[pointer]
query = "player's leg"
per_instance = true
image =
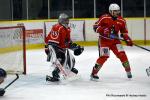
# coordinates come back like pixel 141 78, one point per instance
pixel 70 62
pixel 60 56
pixel 104 55
pixel 120 53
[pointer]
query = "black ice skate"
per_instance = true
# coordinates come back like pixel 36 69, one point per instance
pixel 74 70
pixel 129 75
pixel 51 79
pixel 94 77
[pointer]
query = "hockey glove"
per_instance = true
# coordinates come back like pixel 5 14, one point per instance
pixel 73 46
pixel 95 27
pixel 127 39
pixel 113 36
pixel 2 91
pixel 78 50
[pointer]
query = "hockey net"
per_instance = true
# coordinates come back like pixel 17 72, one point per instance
pixel 12 49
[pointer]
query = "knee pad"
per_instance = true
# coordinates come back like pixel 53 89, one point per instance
pixel 104 51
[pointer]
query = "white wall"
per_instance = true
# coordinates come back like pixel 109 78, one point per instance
pixel 135 27
pixel 148 29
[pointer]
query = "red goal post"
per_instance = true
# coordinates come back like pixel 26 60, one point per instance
pixel 13 49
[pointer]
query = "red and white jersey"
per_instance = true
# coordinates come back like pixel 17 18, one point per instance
pixel 105 23
pixel 60 35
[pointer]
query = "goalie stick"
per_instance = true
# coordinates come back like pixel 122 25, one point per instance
pixel 125 40
pixel 2 90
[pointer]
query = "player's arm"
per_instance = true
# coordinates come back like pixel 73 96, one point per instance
pixel 125 36
pixel 98 26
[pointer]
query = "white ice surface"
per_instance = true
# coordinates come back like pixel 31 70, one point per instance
pixel 113 80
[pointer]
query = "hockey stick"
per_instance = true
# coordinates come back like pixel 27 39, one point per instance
pixel 141 47
pixel 2 90
pixel 17 77
pixel 60 67
pixel 125 40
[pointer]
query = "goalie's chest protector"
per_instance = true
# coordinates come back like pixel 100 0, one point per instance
pixel 60 35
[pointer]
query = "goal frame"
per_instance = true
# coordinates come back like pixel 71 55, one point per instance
pixel 24 44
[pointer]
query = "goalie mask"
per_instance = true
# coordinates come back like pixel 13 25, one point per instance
pixel 114 10
pixel 63 20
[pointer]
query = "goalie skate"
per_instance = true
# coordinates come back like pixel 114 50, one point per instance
pixel 51 79
pixel 148 71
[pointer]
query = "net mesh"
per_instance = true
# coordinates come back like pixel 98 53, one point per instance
pixel 12 49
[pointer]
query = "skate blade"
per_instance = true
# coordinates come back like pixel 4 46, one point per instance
pixel 93 79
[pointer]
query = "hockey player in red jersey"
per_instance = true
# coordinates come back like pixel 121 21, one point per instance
pixel 110 26
pixel 59 40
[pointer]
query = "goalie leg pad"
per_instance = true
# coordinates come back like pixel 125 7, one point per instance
pixel 55 73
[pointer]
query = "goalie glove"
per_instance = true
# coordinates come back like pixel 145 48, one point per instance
pixel 76 48
pixel 78 51
pixel 127 39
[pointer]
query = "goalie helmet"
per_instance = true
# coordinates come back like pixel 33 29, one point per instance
pixel 63 19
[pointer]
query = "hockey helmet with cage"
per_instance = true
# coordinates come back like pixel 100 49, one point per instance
pixel 114 10
pixel 63 19
pixel 114 6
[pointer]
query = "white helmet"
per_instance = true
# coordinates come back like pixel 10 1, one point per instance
pixel 114 6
